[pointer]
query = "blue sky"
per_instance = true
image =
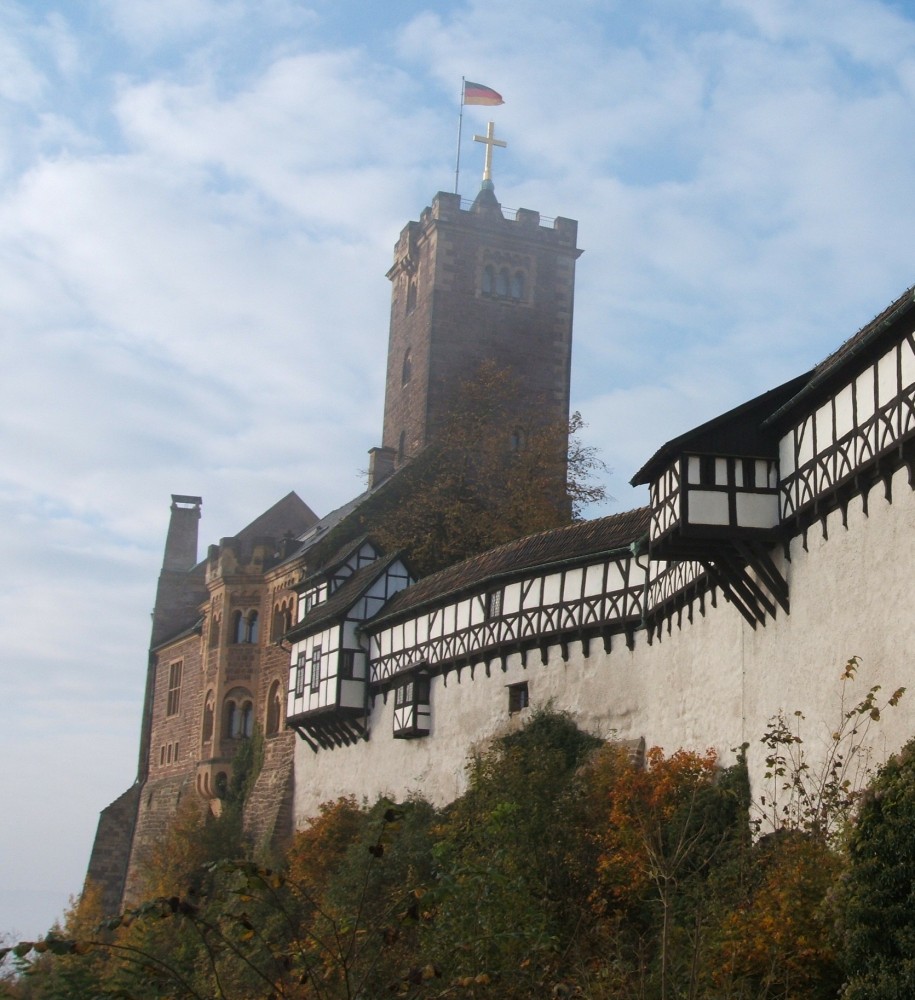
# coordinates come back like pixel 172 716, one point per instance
pixel 198 204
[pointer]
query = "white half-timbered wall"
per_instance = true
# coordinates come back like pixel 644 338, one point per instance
pixel 665 501
pixel 501 616
pixel 869 416
pixel 328 668
pixel 327 585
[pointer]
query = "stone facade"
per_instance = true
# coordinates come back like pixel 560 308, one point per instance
pixel 471 286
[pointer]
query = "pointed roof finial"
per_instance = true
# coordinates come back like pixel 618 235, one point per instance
pixel 489 140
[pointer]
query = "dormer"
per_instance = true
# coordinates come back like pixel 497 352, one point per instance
pixel 714 495
pixel 716 483
pixel 327 700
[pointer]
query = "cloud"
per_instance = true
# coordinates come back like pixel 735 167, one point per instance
pixel 198 202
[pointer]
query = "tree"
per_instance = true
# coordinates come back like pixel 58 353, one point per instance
pixel 877 900
pixel 661 833
pixel 505 910
pixel 490 476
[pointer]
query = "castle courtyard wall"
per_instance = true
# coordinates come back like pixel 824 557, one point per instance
pixel 713 681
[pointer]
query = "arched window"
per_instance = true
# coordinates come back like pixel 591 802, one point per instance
pixel 239 715
pixel 246 726
pixel 214 631
pixel 208 713
pixel 401 445
pixel 274 709
pixel 518 286
pixel 516 439
pixel 502 283
pixel 239 626
pixel 282 621
pixel 252 627
pixel 411 296
pixel 489 280
pixel 407 369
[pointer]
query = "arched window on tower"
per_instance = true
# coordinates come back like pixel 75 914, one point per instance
pixel 239 626
pixel 502 283
pixel 274 709
pixel 518 286
pixel 406 372
pixel 214 631
pixel 488 284
pixel 252 627
pixel 209 708
pixel 401 446
pixel 411 296
pixel 282 621
pixel 247 720
pixel 238 715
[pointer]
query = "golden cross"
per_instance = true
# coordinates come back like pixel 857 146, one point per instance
pixel 490 141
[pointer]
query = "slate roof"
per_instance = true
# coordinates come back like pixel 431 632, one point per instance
pixel 737 432
pixel 341 600
pixel 561 545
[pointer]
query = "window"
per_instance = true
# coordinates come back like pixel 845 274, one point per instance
pixel 518 286
pixel 208 713
pixel 494 604
pixel 411 296
pixel 246 720
pixel 706 470
pixel 347 663
pixel 252 627
pixel 238 627
pixel 406 371
pixel 239 715
pixel 174 688
pixel 489 280
pixel 274 710
pixel 518 697
pixel 502 283
pixel 300 674
pixel 316 668
pixel 412 709
pixel 282 622
pixel 401 446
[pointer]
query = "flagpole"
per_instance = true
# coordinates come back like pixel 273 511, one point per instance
pixel 457 160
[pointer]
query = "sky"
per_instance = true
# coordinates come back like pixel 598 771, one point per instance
pixel 198 204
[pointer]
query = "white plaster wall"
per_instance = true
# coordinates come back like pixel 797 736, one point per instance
pixel 714 682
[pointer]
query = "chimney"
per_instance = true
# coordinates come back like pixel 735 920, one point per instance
pixel 181 541
pixel 381 465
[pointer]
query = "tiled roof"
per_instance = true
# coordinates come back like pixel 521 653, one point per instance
pixel 576 541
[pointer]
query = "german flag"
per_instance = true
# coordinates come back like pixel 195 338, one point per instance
pixel 476 93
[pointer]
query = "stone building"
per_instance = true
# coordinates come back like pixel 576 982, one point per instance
pixel 470 283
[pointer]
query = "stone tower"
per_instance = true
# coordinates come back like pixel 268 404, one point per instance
pixel 472 285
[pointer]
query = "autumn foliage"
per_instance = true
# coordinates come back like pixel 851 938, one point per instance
pixel 571 867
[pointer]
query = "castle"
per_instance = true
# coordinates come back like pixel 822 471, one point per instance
pixel 779 540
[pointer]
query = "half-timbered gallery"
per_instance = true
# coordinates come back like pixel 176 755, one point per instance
pixel 778 541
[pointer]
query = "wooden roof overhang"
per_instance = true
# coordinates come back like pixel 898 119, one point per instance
pixel 330 726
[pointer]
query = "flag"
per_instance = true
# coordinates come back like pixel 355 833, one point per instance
pixel 476 93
